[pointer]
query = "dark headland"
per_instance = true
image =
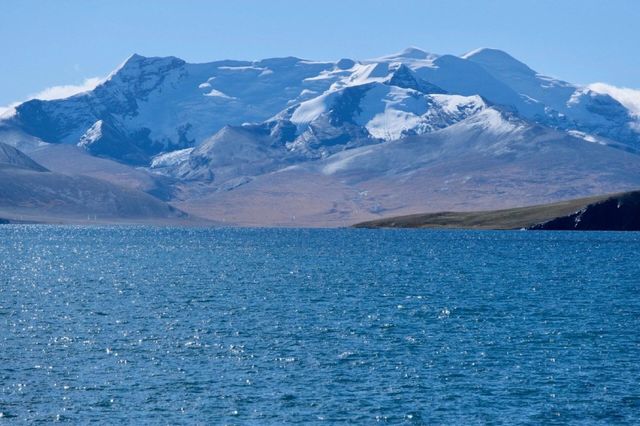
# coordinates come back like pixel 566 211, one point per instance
pixel 612 212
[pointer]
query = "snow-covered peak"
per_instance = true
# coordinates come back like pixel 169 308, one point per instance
pixel 556 96
pixel 387 112
pixel 136 62
pixel 134 58
pixel 497 59
pixel 280 62
pixel 414 53
pixel 143 73
pixel 411 53
pixel 394 73
pixel 403 76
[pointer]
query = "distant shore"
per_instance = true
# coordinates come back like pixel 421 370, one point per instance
pixel 188 221
pixel 610 212
pixel 613 212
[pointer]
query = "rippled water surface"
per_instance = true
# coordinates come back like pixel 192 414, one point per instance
pixel 150 325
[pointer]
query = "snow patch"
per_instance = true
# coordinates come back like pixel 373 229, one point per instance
pixel 367 73
pixel 585 136
pixel 243 68
pixel 93 134
pixel 410 54
pixel 391 124
pixel 309 110
pixel 218 94
pixel 577 95
pixel 170 159
pixel 453 104
pixel 493 121
pixel 324 75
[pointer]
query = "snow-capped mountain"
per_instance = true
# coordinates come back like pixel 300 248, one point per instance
pixel 344 119
pixel 149 106
pixel 567 106
pixel 153 105
pixel 491 159
pixel 404 132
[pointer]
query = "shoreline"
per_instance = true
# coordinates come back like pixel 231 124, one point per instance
pixel 611 212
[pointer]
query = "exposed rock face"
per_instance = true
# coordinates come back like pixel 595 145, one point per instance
pixel 619 213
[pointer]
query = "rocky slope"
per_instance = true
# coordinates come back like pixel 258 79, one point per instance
pixel 29 192
pixel 616 213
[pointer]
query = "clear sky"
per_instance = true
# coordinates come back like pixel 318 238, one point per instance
pixel 49 43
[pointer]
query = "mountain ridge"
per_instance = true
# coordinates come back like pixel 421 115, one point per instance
pixel 400 133
pixel 132 96
pixel 30 192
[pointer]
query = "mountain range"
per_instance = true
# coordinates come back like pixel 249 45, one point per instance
pixel 294 142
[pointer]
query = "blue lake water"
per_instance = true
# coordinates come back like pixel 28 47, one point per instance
pixel 258 326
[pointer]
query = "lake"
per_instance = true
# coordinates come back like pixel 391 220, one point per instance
pixel 272 326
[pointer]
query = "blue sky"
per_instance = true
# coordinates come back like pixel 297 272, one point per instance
pixel 65 42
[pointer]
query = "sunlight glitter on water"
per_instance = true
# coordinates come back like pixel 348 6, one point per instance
pixel 175 325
